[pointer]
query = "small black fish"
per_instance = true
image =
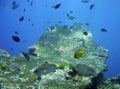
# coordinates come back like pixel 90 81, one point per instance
pixel 16 38
pixel 28 0
pixel 21 18
pixel 103 30
pixel 31 3
pixel 32 24
pixel 16 32
pixel 70 17
pixel 87 23
pixel 24 9
pixel 59 21
pixel 11 48
pixel 56 6
pixel 24 41
pixel 15 5
pixel 32 51
pixel 14 2
pixel 29 19
pixel 85 1
pixel 71 12
pixel 91 6
pixel 48 22
pixel 45 5
pixel 26 55
pixel 85 33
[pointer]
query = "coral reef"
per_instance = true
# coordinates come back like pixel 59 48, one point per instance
pixel 63 58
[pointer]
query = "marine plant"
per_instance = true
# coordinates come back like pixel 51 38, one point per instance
pixel 71 66
pixel 62 66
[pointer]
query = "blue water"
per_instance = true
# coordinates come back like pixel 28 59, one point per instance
pixel 104 14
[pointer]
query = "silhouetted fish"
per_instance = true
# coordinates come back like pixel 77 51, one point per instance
pixel 16 32
pixel 85 33
pixel 70 17
pixel 91 6
pixel 11 48
pixel 56 6
pixel 24 9
pixel 87 23
pixel 21 18
pixel 31 3
pixel 103 30
pixel 29 19
pixel 59 21
pixel 26 55
pixel 85 1
pixel 16 38
pixel 32 24
pixel 28 0
pixel 15 5
pixel 70 12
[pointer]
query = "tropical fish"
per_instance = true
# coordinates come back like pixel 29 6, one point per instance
pixel 56 6
pixel 32 50
pixel 21 18
pixel 85 33
pixel 84 70
pixel 15 38
pixel 85 1
pixel 16 32
pixel 15 5
pixel 26 55
pixel 79 53
pixel 91 6
pixel 3 54
pixel 11 67
pixel 104 30
pixel 45 69
pixel 70 17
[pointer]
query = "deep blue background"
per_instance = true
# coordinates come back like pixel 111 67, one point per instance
pixel 105 14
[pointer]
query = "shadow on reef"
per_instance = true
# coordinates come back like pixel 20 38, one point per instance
pixel 99 82
pixel 96 81
pixel 63 58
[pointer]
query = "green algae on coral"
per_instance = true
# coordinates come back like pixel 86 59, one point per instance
pixel 62 66
pixel 3 64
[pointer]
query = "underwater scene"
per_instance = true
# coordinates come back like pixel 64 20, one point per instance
pixel 59 44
